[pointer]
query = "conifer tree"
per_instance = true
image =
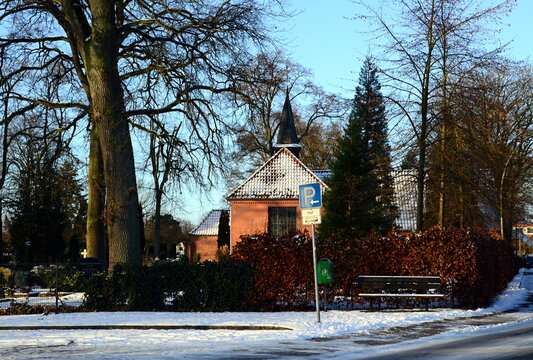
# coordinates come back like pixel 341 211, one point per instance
pixel 360 198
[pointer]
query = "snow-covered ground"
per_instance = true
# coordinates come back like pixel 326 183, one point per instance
pixel 127 343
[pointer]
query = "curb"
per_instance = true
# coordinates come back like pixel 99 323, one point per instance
pixel 144 327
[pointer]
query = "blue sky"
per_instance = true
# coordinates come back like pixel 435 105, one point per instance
pixel 324 39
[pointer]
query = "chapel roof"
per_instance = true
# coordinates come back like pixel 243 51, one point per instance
pixel 209 225
pixel 405 197
pixel 278 178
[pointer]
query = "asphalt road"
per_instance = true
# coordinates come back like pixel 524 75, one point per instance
pixel 511 343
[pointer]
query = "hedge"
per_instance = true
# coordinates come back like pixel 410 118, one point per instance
pixel 473 265
pixel 178 286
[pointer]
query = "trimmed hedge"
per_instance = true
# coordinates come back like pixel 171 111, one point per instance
pixel 180 286
pixel 473 264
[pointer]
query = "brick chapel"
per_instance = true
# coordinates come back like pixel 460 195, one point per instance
pixel 268 200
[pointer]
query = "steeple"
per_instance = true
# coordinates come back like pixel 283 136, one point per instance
pixel 287 131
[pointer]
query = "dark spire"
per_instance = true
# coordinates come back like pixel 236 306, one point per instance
pixel 287 131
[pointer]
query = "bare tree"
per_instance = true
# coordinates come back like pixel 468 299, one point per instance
pixel 9 114
pixel 417 55
pixel 111 56
pixel 497 129
pixel 264 83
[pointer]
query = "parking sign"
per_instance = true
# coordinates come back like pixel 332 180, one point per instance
pixel 310 196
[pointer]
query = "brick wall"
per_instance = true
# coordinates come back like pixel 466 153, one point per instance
pixel 251 216
pixel 204 245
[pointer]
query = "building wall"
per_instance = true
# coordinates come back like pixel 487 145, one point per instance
pixel 204 245
pixel 249 217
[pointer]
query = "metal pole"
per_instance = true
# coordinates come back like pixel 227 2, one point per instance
pixel 325 299
pixel 57 289
pixel 317 302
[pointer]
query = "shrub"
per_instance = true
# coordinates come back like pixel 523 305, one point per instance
pixel 215 286
pixel 2 285
pixel 208 286
pixel 283 266
pixel 473 264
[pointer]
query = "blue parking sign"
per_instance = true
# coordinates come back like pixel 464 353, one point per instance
pixel 310 196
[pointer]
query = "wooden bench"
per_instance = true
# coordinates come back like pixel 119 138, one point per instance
pixel 399 287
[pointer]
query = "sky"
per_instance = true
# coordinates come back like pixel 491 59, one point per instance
pixel 328 41
pixel 323 38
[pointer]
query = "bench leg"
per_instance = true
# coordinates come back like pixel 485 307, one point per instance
pixel 427 304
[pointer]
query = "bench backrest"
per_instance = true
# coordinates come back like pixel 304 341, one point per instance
pixel 399 282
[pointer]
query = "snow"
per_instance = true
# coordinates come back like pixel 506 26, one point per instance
pixel 43 297
pixel 278 178
pixel 209 225
pixel 303 325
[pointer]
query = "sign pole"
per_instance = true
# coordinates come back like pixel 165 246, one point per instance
pixel 317 303
pixel 310 196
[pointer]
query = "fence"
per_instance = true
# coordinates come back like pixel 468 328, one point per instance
pixel 43 286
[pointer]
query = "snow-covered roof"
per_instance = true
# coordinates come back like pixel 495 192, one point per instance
pixel 322 174
pixel 405 196
pixel 278 178
pixel 209 225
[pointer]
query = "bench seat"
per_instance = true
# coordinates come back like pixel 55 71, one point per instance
pixel 399 287
pixel 403 295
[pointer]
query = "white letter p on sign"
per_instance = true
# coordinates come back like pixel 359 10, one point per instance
pixel 309 193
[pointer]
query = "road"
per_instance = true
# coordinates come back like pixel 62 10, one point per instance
pixel 511 343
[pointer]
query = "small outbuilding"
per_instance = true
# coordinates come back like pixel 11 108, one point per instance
pixel 204 239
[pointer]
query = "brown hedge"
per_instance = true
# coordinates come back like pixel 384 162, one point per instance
pixel 474 265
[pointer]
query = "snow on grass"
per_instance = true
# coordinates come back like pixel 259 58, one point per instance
pixel 303 325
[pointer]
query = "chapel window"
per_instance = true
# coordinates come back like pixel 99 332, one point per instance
pixel 281 220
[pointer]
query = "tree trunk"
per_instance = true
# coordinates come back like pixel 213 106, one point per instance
pixel 501 204
pixel 420 181
pixel 444 142
pixel 107 110
pixel 424 110
pixel 157 223
pixel 95 237
pixel 1 235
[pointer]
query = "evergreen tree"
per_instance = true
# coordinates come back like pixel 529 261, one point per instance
pixel 223 229
pixel 360 198
pixel 47 207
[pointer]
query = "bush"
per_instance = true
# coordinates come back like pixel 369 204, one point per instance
pixel 3 284
pixel 473 265
pixel 215 286
pixel 103 292
pixel 65 277
pixel 208 286
pixel 283 265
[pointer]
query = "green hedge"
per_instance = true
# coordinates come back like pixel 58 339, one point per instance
pixel 179 286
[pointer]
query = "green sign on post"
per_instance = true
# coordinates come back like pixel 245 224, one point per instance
pixel 325 271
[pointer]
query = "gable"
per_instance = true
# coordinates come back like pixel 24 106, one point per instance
pixel 405 198
pixel 209 225
pixel 279 178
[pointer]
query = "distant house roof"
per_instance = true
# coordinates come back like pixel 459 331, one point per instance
pixel 209 225
pixel 322 174
pixel 405 196
pixel 279 178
